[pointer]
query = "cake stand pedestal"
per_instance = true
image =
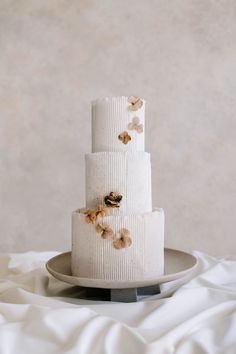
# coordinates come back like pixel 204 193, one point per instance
pixel 122 295
pixel 178 264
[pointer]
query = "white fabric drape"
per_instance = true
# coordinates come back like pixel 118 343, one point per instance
pixel 39 314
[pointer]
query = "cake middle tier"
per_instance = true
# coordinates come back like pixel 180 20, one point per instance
pixel 127 174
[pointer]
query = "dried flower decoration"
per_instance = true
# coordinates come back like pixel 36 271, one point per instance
pixel 105 230
pixel 136 125
pixel 136 103
pixel 124 240
pixel 113 200
pixel 102 211
pixel 124 137
pixel 90 216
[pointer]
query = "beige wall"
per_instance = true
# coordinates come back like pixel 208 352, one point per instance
pixel 55 56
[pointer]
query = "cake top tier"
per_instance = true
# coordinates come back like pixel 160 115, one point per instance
pixel 118 124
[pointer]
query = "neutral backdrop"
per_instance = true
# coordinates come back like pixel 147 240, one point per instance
pixel 56 56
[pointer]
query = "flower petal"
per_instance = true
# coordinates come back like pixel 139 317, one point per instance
pixel 127 242
pixel 136 120
pixel 132 99
pixel 137 105
pixel 102 211
pixel 99 228
pixel 139 128
pixel 117 244
pixel 130 126
pixel 124 232
pixel 108 232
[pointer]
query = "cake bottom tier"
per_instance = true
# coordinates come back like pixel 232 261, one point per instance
pixel 96 257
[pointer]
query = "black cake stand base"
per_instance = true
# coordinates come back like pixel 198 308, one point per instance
pixel 121 295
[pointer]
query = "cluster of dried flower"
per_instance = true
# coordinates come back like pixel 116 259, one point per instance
pixel 91 215
pixel 135 104
pixel 121 240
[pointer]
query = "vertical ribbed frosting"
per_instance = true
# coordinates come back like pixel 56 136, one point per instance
pixel 125 170
pixel 94 257
pixel 128 173
pixel 110 117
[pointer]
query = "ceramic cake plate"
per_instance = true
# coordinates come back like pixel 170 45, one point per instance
pixel 178 264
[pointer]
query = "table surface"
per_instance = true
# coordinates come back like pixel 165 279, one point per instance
pixel 41 314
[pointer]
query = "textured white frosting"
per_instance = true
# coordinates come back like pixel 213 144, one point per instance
pixel 128 173
pixel 95 257
pixel 126 169
pixel 110 117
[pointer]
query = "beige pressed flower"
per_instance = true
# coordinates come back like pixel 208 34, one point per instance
pixel 105 230
pixel 102 211
pixel 136 125
pixel 90 216
pixel 135 103
pixel 124 240
pixel 124 137
pixel 113 200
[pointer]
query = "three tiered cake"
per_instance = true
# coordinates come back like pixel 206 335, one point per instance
pixel 118 236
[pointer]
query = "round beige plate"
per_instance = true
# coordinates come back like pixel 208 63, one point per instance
pixel 177 265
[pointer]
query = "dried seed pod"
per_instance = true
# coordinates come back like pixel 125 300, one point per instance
pixel 113 200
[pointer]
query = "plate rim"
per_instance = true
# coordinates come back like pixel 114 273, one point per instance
pixel 119 284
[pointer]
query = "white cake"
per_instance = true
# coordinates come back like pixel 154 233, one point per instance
pixel 118 236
